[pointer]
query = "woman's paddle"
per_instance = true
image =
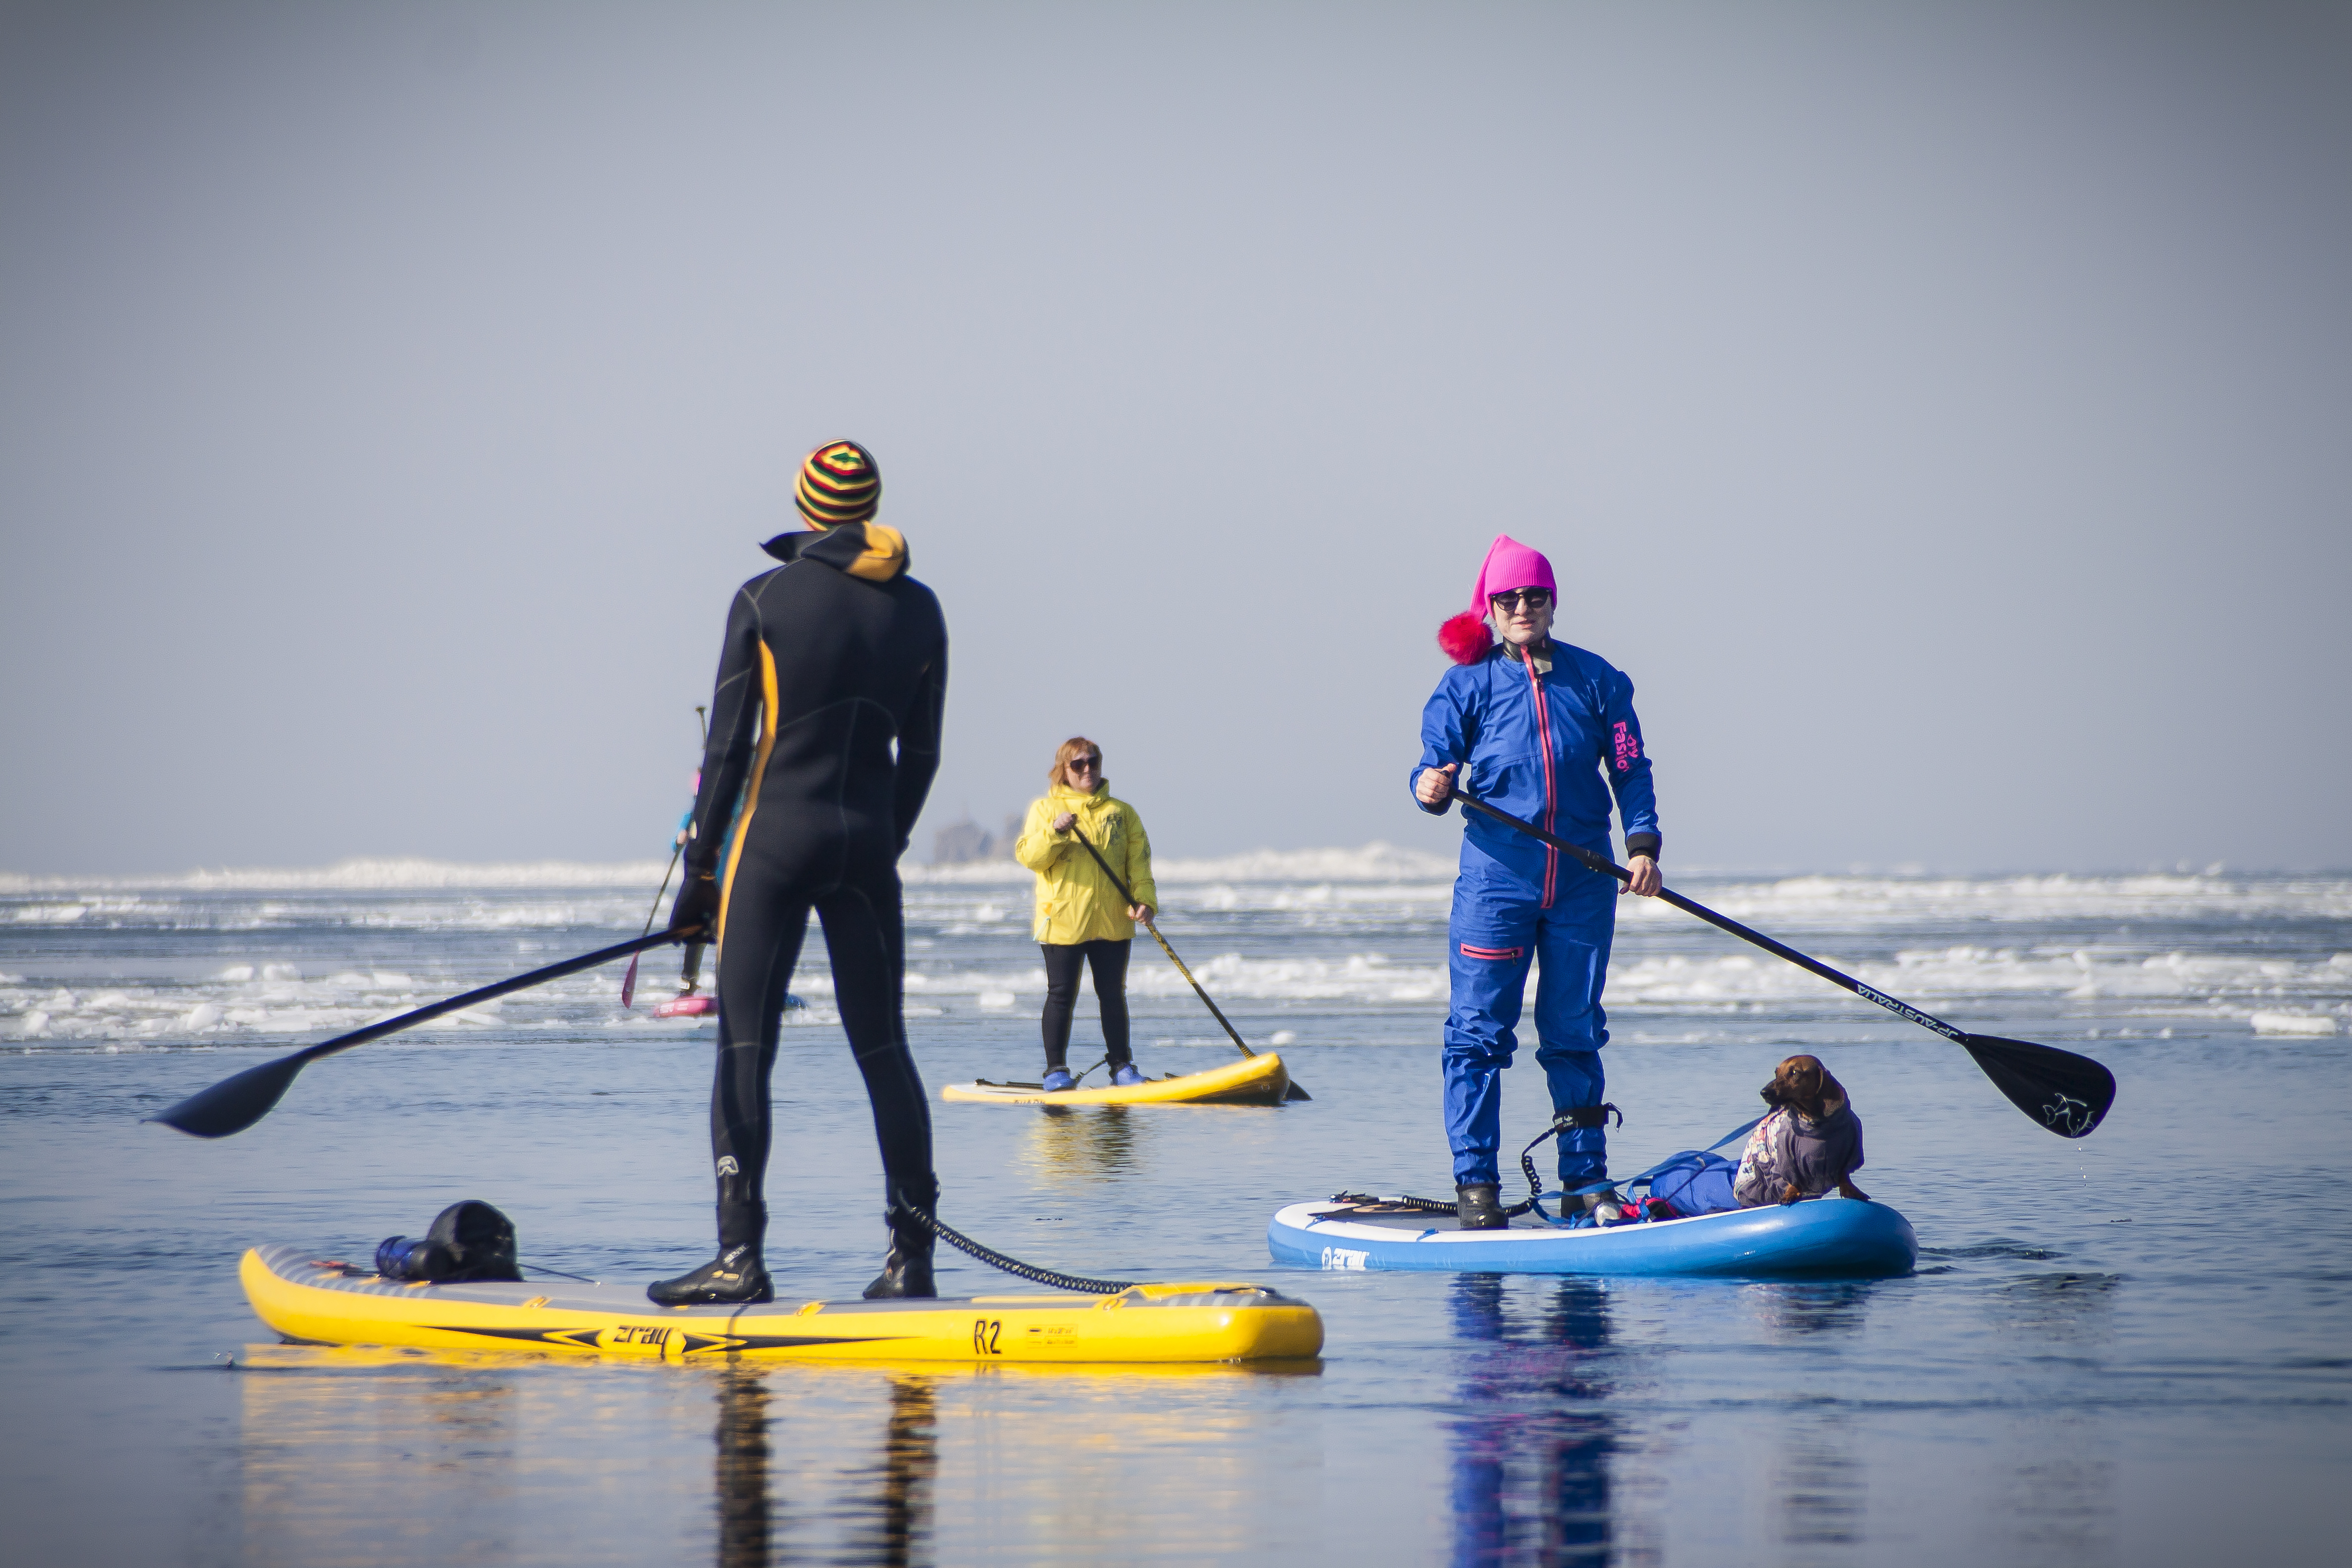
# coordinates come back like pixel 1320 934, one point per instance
pixel 1295 1091
pixel 2066 1093
pixel 629 979
pixel 236 1103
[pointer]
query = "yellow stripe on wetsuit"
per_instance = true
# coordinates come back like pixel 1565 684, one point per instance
pixel 759 772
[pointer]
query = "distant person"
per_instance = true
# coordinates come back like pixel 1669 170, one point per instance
pixel 1082 921
pixel 825 725
pixel 1811 1142
pixel 1531 726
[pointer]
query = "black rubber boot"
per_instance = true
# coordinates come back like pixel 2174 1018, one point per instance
pixel 907 1270
pixel 1480 1206
pixel 735 1278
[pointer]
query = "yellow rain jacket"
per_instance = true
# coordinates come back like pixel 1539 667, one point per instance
pixel 1076 902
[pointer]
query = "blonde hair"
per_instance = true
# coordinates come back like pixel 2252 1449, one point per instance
pixel 1076 746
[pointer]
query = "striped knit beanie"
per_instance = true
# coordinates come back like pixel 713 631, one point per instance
pixel 839 483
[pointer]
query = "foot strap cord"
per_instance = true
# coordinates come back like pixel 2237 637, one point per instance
pixel 1575 1116
pixel 1014 1265
pixel 1409 1205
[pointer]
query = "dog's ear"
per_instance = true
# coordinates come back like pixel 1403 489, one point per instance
pixel 1800 1071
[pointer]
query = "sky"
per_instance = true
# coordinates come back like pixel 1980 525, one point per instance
pixel 1944 413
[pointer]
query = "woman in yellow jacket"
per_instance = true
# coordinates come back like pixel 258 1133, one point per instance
pixel 1082 922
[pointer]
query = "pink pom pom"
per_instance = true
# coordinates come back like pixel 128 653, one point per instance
pixel 1466 638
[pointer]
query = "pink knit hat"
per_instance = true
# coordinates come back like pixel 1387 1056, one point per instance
pixel 1508 564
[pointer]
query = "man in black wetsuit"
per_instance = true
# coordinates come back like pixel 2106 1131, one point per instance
pixel 825 726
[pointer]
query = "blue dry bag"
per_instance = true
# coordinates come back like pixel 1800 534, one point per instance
pixel 1693 1182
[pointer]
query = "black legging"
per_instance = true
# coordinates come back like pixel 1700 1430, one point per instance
pixel 780 875
pixel 1063 962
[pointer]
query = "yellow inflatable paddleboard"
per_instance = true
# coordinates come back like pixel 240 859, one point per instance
pixel 327 1301
pixel 1253 1081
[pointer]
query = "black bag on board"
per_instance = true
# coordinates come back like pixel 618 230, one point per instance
pixel 469 1241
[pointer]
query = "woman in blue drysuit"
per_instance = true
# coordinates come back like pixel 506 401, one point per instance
pixel 1531 726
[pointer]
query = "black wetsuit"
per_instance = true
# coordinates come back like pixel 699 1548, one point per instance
pixel 825 721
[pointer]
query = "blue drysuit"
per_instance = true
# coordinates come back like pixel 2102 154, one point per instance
pixel 1535 745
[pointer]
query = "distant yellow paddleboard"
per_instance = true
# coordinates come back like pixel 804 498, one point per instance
pixel 1253 1080
pixel 330 1302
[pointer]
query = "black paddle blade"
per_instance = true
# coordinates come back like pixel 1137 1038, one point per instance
pixel 233 1104
pixel 1294 1093
pixel 2066 1093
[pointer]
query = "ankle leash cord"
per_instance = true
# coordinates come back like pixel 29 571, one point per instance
pixel 1076 1283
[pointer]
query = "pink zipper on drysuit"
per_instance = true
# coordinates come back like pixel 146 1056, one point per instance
pixel 1552 809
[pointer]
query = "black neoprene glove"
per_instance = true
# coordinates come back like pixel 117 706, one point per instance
pixel 697 905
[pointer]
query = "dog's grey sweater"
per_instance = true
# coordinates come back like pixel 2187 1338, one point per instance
pixel 1791 1147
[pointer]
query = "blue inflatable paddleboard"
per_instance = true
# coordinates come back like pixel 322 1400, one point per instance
pixel 1823 1238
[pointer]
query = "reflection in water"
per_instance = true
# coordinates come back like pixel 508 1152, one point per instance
pixel 360 1457
pixel 900 1486
pixel 2056 1491
pixel 744 1536
pixel 390 1460
pixel 890 1523
pixel 1816 1478
pixel 2063 1309
pixel 1790 1308
pixel 1531 1457
pixel 1077 1145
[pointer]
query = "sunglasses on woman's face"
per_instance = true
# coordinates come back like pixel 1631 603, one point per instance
pixel 1084 764
pixel 1533 598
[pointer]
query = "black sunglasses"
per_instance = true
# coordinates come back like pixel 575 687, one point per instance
pixel 1534 598
pixel 1084 764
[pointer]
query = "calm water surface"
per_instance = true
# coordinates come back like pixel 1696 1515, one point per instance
pixel 2134 1350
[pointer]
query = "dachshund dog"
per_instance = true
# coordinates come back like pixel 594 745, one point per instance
pixel 1817 1140
pixel 1802 1082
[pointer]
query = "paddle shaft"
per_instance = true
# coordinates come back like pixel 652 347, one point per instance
pixel 1607 867
pixel 1231 1033
pixel 485 993
pixel 240 1099
pixel 629 981
pixel 659 892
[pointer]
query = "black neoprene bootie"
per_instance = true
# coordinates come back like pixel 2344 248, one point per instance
pixel 906 1274
pixel 907 1270
pixel 735 1278
pixel 1480 1206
